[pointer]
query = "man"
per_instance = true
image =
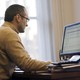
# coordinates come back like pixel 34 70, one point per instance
pixel 12 52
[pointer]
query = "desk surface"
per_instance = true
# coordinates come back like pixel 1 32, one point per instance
pixel 58 75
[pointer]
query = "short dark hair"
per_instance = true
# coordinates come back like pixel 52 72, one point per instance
pixel 12 10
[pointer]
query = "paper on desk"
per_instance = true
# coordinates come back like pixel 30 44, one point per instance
pixel 71 66
pixel 53 68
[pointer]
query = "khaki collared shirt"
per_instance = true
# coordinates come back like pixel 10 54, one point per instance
pixel 12 53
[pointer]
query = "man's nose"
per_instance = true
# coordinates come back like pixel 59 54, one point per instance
pixel 26 24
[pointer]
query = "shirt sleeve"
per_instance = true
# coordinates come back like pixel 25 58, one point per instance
pixel 18 55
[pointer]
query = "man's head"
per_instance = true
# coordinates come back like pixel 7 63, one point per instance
pixel 17 15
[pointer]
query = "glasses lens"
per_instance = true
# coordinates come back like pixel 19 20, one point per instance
pixel 27 19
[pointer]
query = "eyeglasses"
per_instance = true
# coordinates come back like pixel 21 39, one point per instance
pixel 27 19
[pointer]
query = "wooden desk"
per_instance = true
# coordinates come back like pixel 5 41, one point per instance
pixel 60 75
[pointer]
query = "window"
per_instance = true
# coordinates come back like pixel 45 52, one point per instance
pixel 36 38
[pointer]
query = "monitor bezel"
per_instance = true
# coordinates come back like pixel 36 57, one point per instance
pixel 61 51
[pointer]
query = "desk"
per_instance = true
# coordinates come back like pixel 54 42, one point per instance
pixel 59 75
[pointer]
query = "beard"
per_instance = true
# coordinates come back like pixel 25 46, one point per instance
pixel 21 28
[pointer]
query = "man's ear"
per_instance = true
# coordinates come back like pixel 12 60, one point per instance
pixel 18 18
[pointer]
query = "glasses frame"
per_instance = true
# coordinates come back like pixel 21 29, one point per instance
pixel 27 19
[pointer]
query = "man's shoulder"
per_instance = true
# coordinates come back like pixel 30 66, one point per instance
pixel 8 34
pixel 7 30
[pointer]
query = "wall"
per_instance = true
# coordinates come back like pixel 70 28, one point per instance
pixel 63 14
pixel 76 6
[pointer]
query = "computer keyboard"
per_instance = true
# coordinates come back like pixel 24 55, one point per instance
pixel 74 59
pixel 64 62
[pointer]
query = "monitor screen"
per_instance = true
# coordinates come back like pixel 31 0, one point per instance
pixel 71 40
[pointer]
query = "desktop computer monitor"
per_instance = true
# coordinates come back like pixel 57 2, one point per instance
pixel 71 40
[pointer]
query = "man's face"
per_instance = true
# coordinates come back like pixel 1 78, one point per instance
pixel 23 22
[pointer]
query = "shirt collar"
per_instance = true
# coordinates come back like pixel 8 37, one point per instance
pixel 9 24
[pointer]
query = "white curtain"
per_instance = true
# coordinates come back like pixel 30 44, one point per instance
pixel 45 32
